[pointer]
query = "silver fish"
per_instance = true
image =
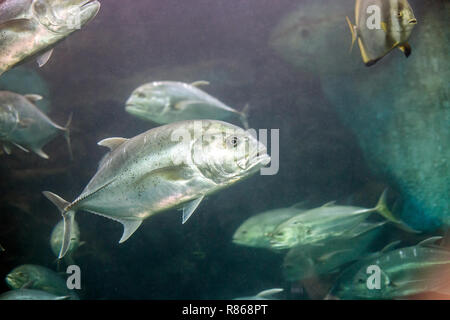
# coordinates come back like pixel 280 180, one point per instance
pixel 31 276
pixel 31 29
pixel 403 272
pixel 263 295
pixel 254 231
pixel 22 124
pixel 396 25
pixel 30 294
pixel 163 168
pixel 326 222
pixel 168 101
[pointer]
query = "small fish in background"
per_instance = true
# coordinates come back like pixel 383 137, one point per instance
pixel 326 257
pixel 396 25
pixel 31 29
pixel 23 125
pixel 403 272
pixel 254 231
pixel 157 171
pixel 329 221
pixel 56 240
pixel 263 295
pixel 30 294
pixel 168 101
pixel 29 276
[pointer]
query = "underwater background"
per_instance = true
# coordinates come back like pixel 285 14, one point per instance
pixel 347 132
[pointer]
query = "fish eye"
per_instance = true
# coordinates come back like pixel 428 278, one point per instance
pixel 244 232
pixel 400 14
pixel 233 141
pixel 360 280
pixel 141 95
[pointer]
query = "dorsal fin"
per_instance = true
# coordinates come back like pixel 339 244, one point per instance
pixel 329 204
pixel 429 241
pixel 112 143
pixel 33 97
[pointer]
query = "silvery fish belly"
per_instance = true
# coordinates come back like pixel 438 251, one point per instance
pixel 22 124
pixel 167 101
pixel 166 167
pixel 403 272
pixel 381 26
pixel 31 29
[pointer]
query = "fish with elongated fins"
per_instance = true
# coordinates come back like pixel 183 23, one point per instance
pixel 169 101
pixel 327 222
pixel 30 29
pixel 380 27
pixel 23 125
pixel 171 166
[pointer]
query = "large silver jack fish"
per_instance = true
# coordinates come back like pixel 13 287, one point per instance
pixel 32 28
pixel 23 125
pixel 171 166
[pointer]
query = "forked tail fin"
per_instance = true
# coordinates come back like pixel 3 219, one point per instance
pixel 383 209
pixel 68 217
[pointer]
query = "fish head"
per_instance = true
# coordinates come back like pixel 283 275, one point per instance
pixel 226 153
pixel 148 101
pixel 19 277
pixel 65 16
pixel 248 235
pixel 405 16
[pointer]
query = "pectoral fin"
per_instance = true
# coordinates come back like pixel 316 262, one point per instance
pixel 25 123
pixel 17 25
pixel 190 207
pixel 129 227
pixel 112 143
pixel 43 59
pixel 185 104
pixel 406 49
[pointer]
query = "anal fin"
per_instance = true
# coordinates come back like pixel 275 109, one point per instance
pixel 190 207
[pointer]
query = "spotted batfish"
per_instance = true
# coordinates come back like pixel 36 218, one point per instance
pixel 32 28
pixel 381 26
pixel 23 125
pixel 175 165
pixel 168 101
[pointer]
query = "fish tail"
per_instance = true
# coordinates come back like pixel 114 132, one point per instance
pixel 353 31
pixel 67 135
pixel 68 217
pixel 383 210
pixel 244 116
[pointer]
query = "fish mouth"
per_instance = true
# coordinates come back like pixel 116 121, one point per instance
pixel 412 21
pixel 258 160
pixel 135 110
